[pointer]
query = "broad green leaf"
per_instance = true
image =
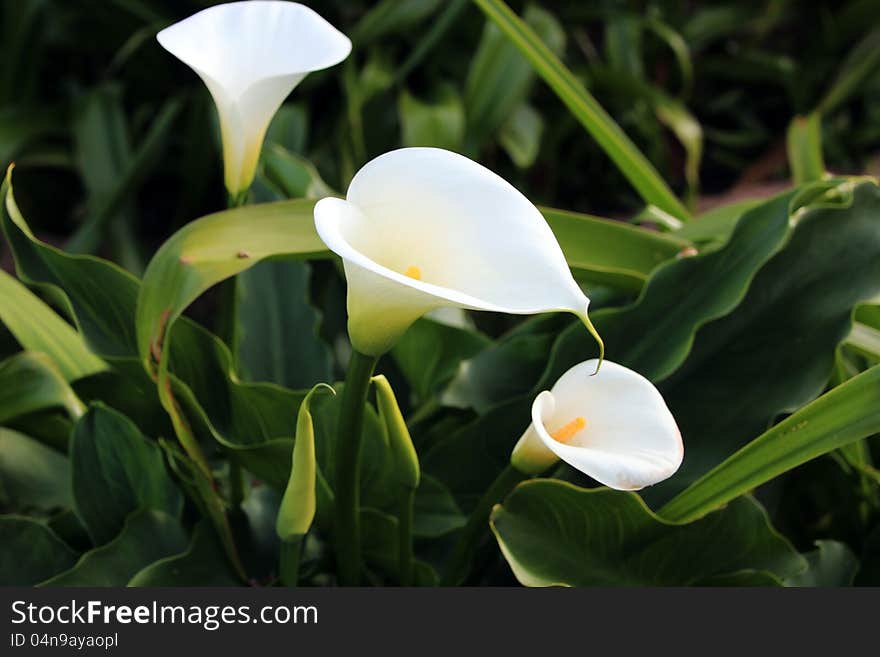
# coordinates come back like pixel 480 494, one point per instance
pixel 429 353
pixel 654 335
pixel 499 78
pixel 860 63
pixel 289 129
pixel 31 552
pixel 212 249
pixel 37 328
pixel 553 533
pixel 848 413
pixel 804 144
pixel 438 122
pixel 30 382
pixel 116 471
pixel 632 164
pixel 611 252
pixel 279 341
pixel 202 564
pixel 32 476
pixel 147 537
pixel 831 564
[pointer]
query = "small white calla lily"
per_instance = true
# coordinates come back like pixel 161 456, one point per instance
pixel 251 55
pixel 425 228
pixel 614 427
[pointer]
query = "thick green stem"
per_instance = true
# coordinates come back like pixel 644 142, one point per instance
pixel 404 536
pixel 462 554
pixel 291 550
pixel 348 448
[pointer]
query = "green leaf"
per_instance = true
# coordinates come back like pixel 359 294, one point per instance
pixel 212 249
pixel 520 135
pixel 499 79
pixel 848 413
pixel 202 564
pixel 611 252
pixel 436 512
pixel 31 552
pixel 860 63
pixel 380 546
pixel 147 537
pixel 37 328
pixel 279 340
pixel 438 122
pixel 429 353
pixel 586 109
pixel 291 175
pixel 776 352
pixel 831 564
pixel 804 144
pixel 30 382
pixel 391 17
pixel 553 533
pixel 115 472
pixel 32 476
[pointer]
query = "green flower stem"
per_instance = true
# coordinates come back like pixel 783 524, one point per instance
pixel 291 550
pixel 404 536
pixel 348 448
pixel 462 554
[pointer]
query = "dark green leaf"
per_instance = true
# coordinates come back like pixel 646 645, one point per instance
pixel 31 552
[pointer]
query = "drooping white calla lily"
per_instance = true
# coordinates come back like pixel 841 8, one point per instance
pixel 614 427
pixel 251 55
pixel 425 228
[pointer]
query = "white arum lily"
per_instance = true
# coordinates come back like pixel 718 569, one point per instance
pixel 425 228
pixel 614 427
pixel 251 55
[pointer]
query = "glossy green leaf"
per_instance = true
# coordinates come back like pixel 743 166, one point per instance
pixel 147 537
pixel 521 134
pixel 290 175
pixel 31 552
pixel 37 328
pixel 553 533
pixel 116 471
pixel 848 413
pixel 32 476
pixel 202 564
pixel 632 164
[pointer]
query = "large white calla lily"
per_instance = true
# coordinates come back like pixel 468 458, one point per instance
pixel 425 228
pixel 614 427
pixel 251 55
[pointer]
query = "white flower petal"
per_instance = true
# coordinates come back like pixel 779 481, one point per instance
pixel 475 241
pixel 630 439
pixel 251 55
